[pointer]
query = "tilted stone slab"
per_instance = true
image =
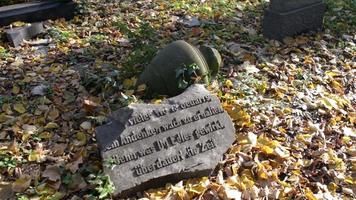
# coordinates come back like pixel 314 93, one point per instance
pixel 292 17
pixel 151 145
pixel 16 35
pixel 37 11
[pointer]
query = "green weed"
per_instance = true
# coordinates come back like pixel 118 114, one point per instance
pixel 97 39
pixel 60 35
pixel 3 52
pixel 8 162
pixel 103 186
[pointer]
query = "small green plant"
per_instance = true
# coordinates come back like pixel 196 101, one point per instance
pixel 110 163
pixel 140 56
pixel 253 39
pixel 99 120
pixel 97 39
pixel 22 197
pixel 101 81
pixel 3 52
pixel 103 186
pixel 143 32
pixel 207 9
pixel 187 75
pixel 7 162
pixel 123 28
pixel 60 35
pixel 144 49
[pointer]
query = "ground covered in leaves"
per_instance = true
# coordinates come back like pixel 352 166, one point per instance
pixel 293 103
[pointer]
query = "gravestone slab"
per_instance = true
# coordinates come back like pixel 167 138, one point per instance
pixel 37 11
pixel 149 145
pixel 16 35
pixel 292 17
pixel 289 5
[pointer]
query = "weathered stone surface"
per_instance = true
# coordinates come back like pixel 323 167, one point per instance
pixel 37 11
pixel 161 75
pixel 292 17
pixel 288 5
pixel 151 145
pixel 192 22
pixel 16 35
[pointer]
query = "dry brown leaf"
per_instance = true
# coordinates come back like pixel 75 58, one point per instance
pixel 74 165
pixel 6 191
pixel 53 114
pixel 52 173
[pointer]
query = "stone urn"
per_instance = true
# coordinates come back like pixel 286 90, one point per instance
pixel 179 65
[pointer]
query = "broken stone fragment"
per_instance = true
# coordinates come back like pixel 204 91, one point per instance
pixel 191 22
pixel 148 145
pixel 39 90
pixel 162 76
pixel 17 35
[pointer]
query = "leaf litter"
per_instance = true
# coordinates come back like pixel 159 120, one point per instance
pixel 293 103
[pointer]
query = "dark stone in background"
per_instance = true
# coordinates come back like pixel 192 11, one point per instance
pixel 289 5
pixel 152 145
pixel 37 11
pixel 16 35
pixel 292 17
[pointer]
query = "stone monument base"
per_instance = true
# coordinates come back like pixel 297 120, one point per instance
pixel 37 11
pixel 16 35
pixel 277 24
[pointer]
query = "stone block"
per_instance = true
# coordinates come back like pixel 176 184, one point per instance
pixel 16 35
pixel 149 145
pixel 289 5
pixel 289 18
pixel 37 11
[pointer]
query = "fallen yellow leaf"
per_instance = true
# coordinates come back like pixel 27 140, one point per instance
pixel 229 84
pixel 51 125
pixel 309 194
pixel 15 89
pixel 7 108
pixel 22 183
pixel 19 107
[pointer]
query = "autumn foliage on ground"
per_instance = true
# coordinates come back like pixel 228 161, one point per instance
pixel 292 102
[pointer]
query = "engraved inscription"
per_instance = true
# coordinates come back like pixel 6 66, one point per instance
pixel 200 147
pixel 158 164
pixel 168 142
pixel 175 123
pixel 159 113
pixel 139 119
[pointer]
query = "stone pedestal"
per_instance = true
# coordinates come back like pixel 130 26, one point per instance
pixel 37 11
pixel 291 17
